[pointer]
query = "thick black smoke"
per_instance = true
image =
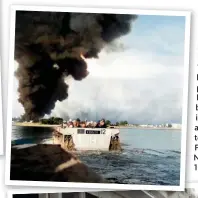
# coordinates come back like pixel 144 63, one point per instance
pixel 48 47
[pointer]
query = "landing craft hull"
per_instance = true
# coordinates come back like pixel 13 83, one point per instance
pixel 87 139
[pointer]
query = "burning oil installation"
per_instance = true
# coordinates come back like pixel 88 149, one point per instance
pixel 49 46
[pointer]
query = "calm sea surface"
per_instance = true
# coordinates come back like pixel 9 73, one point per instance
pixel 150 157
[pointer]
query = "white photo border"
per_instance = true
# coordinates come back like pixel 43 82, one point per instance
pixel 101 186
pixel 192 185
pixel 1 114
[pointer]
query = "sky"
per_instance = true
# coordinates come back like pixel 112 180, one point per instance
pixel 139 78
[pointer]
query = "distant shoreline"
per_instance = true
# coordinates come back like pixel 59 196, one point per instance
pixel 149 128
pixel 117 127
pixel 34 125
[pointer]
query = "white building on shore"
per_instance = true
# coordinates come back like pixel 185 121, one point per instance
pixel 176 126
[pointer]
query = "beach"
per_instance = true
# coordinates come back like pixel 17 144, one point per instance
pixel 37 124
pixel 151 128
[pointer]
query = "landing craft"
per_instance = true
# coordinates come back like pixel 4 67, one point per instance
pixel 80 139
pixel 89 139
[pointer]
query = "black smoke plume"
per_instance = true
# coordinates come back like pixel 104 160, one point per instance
pixel 48 47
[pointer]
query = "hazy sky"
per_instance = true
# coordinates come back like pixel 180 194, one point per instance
pixel 141 82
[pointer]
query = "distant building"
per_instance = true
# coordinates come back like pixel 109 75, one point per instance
pixel 143 125
pixel 176 126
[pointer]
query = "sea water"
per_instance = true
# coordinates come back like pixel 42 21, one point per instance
pixel 150 157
